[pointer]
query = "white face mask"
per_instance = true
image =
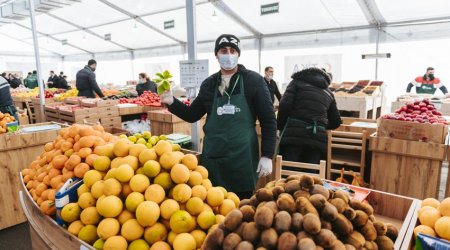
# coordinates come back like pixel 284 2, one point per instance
pixel 228 61
pixel 140 81
pixel 270 77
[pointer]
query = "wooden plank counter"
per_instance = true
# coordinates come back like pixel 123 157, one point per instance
pixel 403 167
pixel 16 153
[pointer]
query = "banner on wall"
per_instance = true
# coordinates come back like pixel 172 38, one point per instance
pixel 331 62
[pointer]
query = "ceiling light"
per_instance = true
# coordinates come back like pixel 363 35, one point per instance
pixel 135 27
pixel 84 37
pixel 214 16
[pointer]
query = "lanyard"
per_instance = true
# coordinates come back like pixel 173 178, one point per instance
pixel 235 83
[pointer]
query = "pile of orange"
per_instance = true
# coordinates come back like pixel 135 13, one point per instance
pixel 5 118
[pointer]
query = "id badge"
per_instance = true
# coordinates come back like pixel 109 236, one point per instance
pixel 229 109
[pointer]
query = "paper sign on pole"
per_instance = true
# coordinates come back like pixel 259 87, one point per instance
pixel 193 73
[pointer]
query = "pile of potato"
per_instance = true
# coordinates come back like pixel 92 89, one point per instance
pixel 300 213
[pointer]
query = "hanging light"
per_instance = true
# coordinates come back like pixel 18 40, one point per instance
pixel 135 27
pixel 84 37
pixel 214 16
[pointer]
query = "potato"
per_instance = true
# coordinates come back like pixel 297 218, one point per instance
pixel 317 180
pixel 384 242
pixel 261 248
pixel 391 231
pixel 264 194
pixel 253 201
pixel 280 182
pixel 301 193
pixel 338 245
pixel 306 181
pixel 276 191
pixel 319 189
pixel 282 222
pixel 244 245
pixel 231 241
pixel 329 212
pixel 292 186
pixel 261 204
pixel 311 223
pixel 369 231
pixel 213 240
pixel 294 177
pixel 251 232
pixel 286 202
pixel 325 224
pixel 325 238
pixel 370 245
pixel 244 202
pixel 248 212
pixel 360 219
pixel 380 227
pixel 372 218
pixel 240 229
pixel 342 195
pixel 269 238
pixel 342 226
pixel 318 201
pixel 355 239
pixel 233 220
pixel 264 217
pixel 287 241
pixel 297 222
pixel 339 204
pixel 349 213
pixel 304 206
pixel 357 205
pixel 349 247
pixel 270 184
pixel 306 244
pixel 302 235
pixel 272 205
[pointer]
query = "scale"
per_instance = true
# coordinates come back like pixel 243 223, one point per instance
pixel 185 141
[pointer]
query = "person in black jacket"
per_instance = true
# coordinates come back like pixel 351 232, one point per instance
pixel 6 101
pixel 53 80
pixel 145 84
pixel 307 109
pixel 14 81
pixel 271 84
pixel 233 98
pixel 62 83
pixel 85 81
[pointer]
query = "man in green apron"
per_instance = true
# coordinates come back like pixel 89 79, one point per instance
pixel 427 84
pixel 233 98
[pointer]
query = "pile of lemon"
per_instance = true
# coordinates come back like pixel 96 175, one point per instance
pixel 146 198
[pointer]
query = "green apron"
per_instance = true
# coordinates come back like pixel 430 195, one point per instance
pixel 230 147
pixel 426 89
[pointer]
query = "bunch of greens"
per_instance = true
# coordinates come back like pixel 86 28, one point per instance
pixel 163 81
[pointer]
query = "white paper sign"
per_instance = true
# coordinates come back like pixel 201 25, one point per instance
pixel 193 73
pixel 331 62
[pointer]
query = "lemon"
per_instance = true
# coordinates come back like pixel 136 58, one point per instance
pixel 70 212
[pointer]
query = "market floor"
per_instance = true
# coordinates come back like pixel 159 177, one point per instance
pixel 16 237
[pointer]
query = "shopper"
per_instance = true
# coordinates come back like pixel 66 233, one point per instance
pixel 6 101
pixel 53 80
pixel 85 81
pixel 233 98
pixel 32 80
pixel 271 84
pixel 14 81
pixel 145 84
pixel 62 83
pixel 307 109
pixel 427 84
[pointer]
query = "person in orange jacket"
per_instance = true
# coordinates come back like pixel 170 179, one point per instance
pixel 427 84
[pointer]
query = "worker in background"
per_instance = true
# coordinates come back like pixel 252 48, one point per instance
pixel 85 81
pixel 6 101
pixel 53 80
pixel 145 84
pixel 233 98
pixel 62 82
pixel 32 81
pixel 307 109
pixel 427 84
pixel 271 84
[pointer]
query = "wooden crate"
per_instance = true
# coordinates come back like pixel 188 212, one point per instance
pixel 405 167
pixel 131 110
pixel 347 127
pixel 107 109
pixel 93 118
pixel 74 100
pixel 111 120
pixel 116 130
pixel 108 114
pixel 98 102
pixel 412 131
pixel 162 122
pixel 361 104
pixel 78 112
pixel 17 151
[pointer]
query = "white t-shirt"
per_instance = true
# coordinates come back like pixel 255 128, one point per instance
pixel 225 83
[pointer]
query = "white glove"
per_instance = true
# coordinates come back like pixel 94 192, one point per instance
pixel 264 167
pixel 167 97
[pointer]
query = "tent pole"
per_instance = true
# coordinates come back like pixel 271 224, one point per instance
pixel 132 65
pixel 192 55
pixel 259 53
pixel 377 44
pixel 38 60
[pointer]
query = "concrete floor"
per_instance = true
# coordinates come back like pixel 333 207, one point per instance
pixel 15 238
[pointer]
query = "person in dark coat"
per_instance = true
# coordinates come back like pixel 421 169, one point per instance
pixel 53 80
pixel 62 83
pixel 233 99
pixel 307 109
pixel 6 101
pixel 85 81
pixel 271 84
pixel 145 84
pixel 14 81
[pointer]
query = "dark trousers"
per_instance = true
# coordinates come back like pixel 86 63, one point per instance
pixel 304 154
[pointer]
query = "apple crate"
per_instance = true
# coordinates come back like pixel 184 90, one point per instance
pixel 108 109
pixel 77 112
pixel 108 114
pixel 111 120
pixel 92 118
pixel 98 103
pixel 412 131
pixel 74 100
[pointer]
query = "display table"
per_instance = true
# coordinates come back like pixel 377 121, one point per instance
pixel 162 122
pixel 404 167
pixel 17 151
pixel 361 104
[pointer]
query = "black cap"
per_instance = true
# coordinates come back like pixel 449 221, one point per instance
pixel 92 61
pixel 430 68
pixel 226 40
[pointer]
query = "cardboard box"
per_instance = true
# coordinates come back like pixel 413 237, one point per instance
pixel 412 131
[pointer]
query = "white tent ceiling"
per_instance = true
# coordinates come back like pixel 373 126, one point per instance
pixel 138 25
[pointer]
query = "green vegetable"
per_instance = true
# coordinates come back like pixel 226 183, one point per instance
pixel 163 81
